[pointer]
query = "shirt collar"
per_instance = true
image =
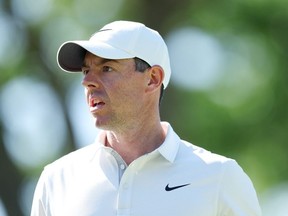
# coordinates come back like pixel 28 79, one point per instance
pixel 170 146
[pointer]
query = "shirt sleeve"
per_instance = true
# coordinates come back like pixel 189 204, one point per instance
pixel 40 198
pixel 237 196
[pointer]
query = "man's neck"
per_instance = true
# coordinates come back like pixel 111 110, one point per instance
pixel 134 143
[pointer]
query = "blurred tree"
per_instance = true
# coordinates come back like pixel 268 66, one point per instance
pixel 253 132
pixel 10 180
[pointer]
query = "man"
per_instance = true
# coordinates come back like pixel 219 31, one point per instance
pixel 138 165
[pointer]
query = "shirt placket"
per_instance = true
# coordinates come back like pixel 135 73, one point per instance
pixel 127 183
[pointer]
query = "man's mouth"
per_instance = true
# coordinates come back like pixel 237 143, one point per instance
pixel 95 103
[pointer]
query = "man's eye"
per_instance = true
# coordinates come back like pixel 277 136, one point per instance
pixel 85 72
pixel 107 69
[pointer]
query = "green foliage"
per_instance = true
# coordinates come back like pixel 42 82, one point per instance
pixel 243 116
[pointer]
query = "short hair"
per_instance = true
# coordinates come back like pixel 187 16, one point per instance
pixel 141 65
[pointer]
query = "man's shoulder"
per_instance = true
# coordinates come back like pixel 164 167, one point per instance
pixel 197 162
pixel 74 158
pixel 198 154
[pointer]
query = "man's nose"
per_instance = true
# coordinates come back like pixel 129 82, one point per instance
pixel 90 81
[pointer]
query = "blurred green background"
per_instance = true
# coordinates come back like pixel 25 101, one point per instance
pixel 228 92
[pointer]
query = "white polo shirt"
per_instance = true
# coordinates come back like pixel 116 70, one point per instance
pixel 177 179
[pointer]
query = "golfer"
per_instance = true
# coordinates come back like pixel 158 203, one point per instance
pixel 138 165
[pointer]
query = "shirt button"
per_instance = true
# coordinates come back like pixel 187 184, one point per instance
pixel 122 166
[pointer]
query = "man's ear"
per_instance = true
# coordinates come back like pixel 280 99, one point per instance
pixel 155 77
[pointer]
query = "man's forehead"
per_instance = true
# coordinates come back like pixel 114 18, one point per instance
pixel 93 59
pixel 90 58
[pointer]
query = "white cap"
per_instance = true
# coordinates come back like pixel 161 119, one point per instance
pixel 118 40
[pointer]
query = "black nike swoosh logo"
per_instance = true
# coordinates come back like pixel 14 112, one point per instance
pixel 167 188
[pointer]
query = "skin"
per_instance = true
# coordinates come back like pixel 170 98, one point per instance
pixel 127 104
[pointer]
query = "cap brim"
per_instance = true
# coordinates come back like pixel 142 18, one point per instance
pixel 71 54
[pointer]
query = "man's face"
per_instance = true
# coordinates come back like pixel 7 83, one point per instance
pixel 114 91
